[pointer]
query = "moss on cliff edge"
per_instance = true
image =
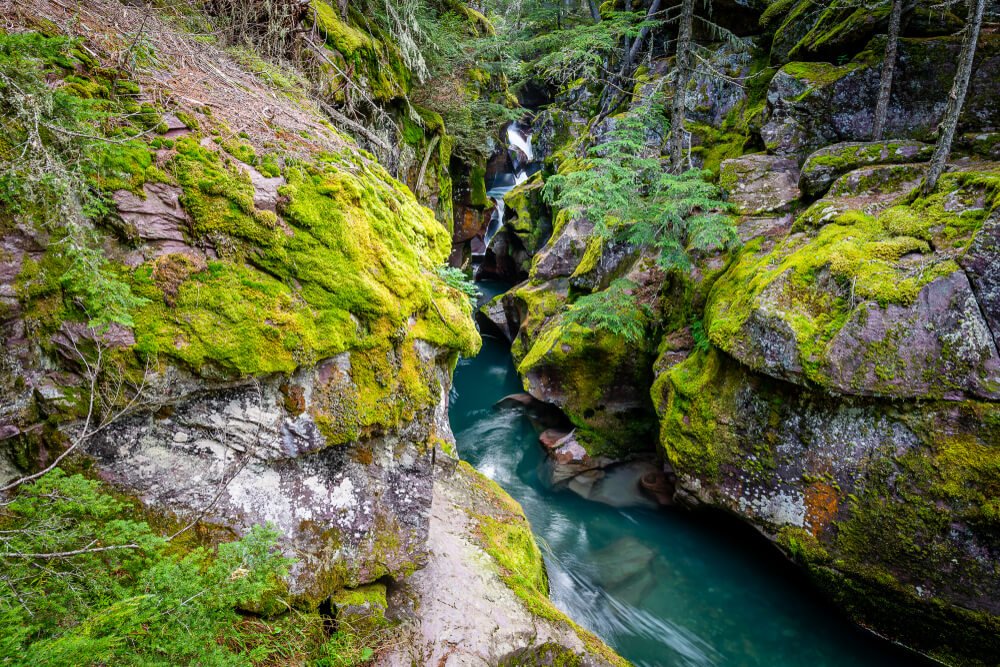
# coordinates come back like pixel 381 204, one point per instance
pixel 348 268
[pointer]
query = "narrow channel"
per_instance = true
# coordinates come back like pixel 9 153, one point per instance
pixel 662 587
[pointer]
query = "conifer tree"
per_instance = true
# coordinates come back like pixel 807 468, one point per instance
pixel 956 99
pixel 888 70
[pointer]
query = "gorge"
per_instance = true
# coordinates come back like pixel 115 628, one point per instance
pixel 505 332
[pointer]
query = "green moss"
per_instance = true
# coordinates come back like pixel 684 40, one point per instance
pixel 590 361
pixel 477 185
pixel 240 150
pixel 350 270
pixel 504 533
pixel 818 74
pixel 219 197
pixel 688 400
pixel 802 545
pixel 189 121
pixel 861 253
pixel 126 166
pixel 377 60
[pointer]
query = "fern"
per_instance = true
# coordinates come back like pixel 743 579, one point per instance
pixel 615 310
pixel 457 279
pixel 628 194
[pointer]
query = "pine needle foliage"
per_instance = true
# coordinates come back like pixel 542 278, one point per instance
pixel 626 190
pixel 139 601
pixel 581 52
pixel 614 310
pixel 51 160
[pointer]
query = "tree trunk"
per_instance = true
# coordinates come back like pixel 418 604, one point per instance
pixel 956 99
pixel 595 11
pixel 888 70
pixel 637 45
pixel 681 79
pixel 613 89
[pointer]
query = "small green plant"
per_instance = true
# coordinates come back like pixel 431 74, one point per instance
pixel 87 584
pixel 625 189
pixel 614 310
pixel 457 279
pixel 702 343
pixel 53 163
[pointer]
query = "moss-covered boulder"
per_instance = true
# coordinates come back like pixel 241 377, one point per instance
pixel 827 164
pixel 760 184
pixel 527 216
pixel 814 104
pixel 599 377
pixel 806 30
pixel 889 505
pixel 872 305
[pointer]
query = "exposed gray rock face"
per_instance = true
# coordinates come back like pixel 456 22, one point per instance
pixel 760 184
pixel 564 251
pixel 463 615
pixel 982 264
pixel 938 346
pixel 253 454
pixel 502 315
pixel 827 164
pixel 811 105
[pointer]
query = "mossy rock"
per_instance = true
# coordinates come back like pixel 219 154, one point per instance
pixel 889 505
pixel 811 104
pixel 824 166
pixel 378 64
pixel 361 611
pixel 866 304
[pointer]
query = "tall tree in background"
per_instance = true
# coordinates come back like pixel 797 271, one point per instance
pixel 956 99
pixel 888 70
pixel 595 11
pixel 682 77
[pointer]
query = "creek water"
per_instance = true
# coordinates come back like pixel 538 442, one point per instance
pixel 662 587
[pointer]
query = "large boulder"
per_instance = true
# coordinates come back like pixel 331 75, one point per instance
pixel 760 184
pixel 827 164
pixel 868 305
pixel 891 506
pixel 811 105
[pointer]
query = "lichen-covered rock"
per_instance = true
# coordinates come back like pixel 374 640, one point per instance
pixel 827 164
pixel 760 184
pixel 811 105
pixel 983 269
pixel 255 454
pixel 870 305
pixel 891 506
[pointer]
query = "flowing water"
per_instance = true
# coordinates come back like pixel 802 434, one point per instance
pixel 663 587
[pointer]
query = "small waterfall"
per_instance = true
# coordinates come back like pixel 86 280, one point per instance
pixel 520 158
pixel 520 142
